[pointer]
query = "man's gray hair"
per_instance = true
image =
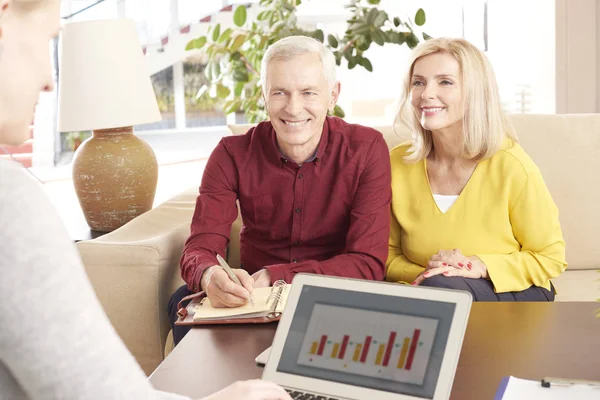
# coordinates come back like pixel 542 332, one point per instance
pixel 293 46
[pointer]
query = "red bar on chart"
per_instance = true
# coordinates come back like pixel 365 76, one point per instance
pixel 365 351
pixel 322 345
pixel 388 350
pixel 413 347
pixel 344 345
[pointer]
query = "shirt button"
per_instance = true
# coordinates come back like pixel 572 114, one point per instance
pixel 294 260
pixel 298 209
pixel 300 176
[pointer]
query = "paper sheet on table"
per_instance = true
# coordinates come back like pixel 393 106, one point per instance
pixel 512 388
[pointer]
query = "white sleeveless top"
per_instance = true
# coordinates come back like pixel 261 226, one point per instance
pixel 444 202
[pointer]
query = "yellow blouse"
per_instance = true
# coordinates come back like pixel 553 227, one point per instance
pixel 505 215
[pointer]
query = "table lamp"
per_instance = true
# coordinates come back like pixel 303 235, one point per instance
pixel 104 86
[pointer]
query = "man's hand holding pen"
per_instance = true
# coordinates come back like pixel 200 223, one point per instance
pixel 226 287
pixel 224 292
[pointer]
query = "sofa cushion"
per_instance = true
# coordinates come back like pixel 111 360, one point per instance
pixel 566 148
pixel 577 286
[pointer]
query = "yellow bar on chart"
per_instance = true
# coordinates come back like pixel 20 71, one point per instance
pixel 379 354
pixel 357 352
pixel 336 348
pixel 313 349
pixel 403 352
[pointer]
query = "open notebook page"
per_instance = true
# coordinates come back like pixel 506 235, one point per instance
pixel 263 303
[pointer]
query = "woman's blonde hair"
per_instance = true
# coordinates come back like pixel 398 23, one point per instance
pixel 484 124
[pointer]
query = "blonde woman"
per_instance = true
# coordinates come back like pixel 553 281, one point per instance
pixel 470 209
pixel 55 340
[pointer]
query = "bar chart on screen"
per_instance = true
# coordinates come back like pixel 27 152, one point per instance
pixel 384 345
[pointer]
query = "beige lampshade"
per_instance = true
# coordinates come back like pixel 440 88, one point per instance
pixel 103 81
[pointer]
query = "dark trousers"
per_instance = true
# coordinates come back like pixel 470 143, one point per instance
pixel 178 331
pixel 483 290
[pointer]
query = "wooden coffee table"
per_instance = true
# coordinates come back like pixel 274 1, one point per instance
pixel 526 340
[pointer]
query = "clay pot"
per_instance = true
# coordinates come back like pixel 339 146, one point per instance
pixel 115 175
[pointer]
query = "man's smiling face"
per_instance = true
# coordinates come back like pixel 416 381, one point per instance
pixel 297 97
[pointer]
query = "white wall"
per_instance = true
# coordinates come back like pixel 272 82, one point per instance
pixel 522 50
pixel 577 56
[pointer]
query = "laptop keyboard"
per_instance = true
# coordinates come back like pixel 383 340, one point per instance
pixel 298 395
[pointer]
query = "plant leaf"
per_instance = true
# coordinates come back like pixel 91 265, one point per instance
pixel 351 62
pixel 412 40
pixel 420 17
pixel 426 36
pixel 338 111
pixel 225 35
pixel 359 28
pixel 231 106
pixel 378 37
pixel 208 71
pixel 237 89
pixel 216 32
pixel 396 22
pixel 239 15
pixel 262 15
pixel 241 75
pixel 371 15
pixel 333 42
pixel 196 43
pixel 366 63
pixel 318 34
pixel 216 70
pixel 237 43
pixel 380 19
pixel 223 91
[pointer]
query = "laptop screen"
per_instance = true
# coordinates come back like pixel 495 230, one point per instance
pixel 389 343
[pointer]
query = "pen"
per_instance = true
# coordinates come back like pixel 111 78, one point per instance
pixel 232 275
pixel 549 382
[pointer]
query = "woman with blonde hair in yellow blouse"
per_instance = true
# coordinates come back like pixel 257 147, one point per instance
pixel 470 209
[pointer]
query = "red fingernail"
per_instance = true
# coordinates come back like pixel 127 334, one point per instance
pixel 444 264
pixel 460 265
pixel 413 284
pixel 469 267
pixel 445 273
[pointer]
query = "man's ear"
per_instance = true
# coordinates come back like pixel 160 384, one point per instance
pixel 335 94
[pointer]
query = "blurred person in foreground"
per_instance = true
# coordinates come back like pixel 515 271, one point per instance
pixel 55 340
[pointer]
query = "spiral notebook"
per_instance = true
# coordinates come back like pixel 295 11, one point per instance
pixel 269 303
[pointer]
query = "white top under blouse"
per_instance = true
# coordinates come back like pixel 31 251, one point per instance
pixel 444 202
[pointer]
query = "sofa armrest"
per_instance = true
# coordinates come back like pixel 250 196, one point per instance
pixel 135 270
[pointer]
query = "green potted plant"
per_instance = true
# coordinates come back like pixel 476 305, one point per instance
pixel 234 54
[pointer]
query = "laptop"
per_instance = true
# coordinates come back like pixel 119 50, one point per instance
pixel 345 339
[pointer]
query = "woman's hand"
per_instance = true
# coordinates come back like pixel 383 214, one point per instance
pixel 453 263
pixel 255 389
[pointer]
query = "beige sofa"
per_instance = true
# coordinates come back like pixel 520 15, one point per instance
pixel 134 269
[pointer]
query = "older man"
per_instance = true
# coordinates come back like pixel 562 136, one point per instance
pixel 314 191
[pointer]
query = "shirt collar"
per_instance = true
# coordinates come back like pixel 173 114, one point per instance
pixel 318 154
